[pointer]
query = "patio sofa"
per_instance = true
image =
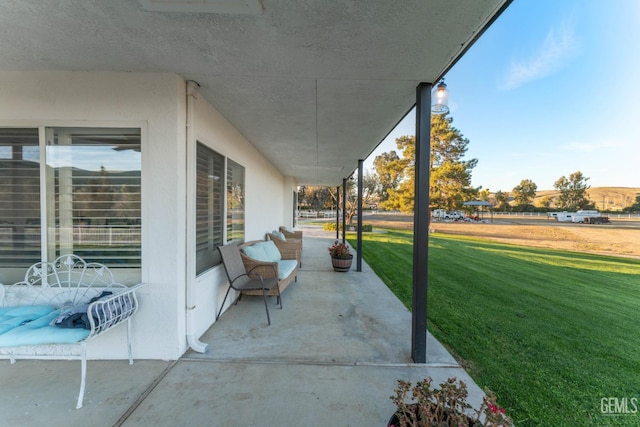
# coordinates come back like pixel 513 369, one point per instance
pixel 265 258
pixel 285 243
pixel 290 233
pixel 62 305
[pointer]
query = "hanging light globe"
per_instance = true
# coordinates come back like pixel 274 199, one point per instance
pixel 440 99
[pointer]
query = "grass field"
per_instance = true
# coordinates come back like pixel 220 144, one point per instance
pixel 551 332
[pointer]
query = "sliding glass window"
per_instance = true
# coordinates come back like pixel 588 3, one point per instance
pixel 93 206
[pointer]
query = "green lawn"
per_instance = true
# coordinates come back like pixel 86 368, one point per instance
pixel 551 332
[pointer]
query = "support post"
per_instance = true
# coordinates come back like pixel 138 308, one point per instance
pixel 421 224
pixel 344 210
pixel 359 225
pixel 337 212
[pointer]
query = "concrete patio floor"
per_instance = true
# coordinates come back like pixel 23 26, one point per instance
pixel 331 357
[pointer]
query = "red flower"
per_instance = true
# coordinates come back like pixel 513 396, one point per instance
pixel 339 250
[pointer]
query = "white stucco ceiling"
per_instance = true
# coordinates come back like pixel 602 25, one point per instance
pixel 314 85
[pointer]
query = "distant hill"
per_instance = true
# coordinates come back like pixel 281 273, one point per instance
pixel 605 198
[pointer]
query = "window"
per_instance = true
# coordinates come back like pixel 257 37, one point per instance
pixel 93 206
pixel 209 207
pixel 92 200
pixel 211 183
pixel 19 201
pixel 235 202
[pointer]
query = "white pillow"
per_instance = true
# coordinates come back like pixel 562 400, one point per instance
pixel 256 252
pixel 279 235
pixel 271 251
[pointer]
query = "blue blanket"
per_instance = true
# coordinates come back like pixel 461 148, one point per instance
pixel 29 325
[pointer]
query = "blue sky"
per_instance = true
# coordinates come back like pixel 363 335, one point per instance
pixel 551 88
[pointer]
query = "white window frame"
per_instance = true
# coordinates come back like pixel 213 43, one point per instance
pixel 125 275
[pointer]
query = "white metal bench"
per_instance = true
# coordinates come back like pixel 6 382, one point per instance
pixel 49 293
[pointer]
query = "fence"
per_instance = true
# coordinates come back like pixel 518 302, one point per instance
pixel 332 214
pixel 317 214
pixel 100 236
pixel 632 216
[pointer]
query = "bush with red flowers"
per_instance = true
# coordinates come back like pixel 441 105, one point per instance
pixel 339 250
pixel 446 406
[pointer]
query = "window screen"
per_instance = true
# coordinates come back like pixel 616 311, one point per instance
pixel 20 238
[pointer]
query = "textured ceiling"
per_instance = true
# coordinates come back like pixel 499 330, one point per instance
pixel 313 85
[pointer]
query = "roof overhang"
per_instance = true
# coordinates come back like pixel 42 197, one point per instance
pixel 313 85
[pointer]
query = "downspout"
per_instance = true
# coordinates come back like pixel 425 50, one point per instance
pixel 192 340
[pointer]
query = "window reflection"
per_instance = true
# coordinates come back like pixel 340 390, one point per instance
pixel 94 203
pixel 19 200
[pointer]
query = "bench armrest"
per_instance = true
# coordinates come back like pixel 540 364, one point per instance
pixel 109 311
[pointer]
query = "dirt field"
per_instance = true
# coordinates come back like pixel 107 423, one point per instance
pixel 619 238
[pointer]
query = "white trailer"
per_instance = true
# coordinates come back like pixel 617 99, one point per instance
pixel 443 215
pixel 440 215
pixel 563 216
pixel 589 217
pixel 582 216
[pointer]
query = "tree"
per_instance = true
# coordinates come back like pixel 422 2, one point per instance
pixel 401 196
pixel 314 198
pixel 634 207
pixel 545 202
pixel 524 193
pixel 484 194
pixel 451 186
pixel 450 176
pixel 502 201
pixel 573 192
pixel 390 171
pixel 370 189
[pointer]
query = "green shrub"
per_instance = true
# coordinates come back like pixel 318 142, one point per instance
pixel 332 227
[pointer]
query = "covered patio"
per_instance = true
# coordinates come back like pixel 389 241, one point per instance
pixel 332 356
pixel 227 108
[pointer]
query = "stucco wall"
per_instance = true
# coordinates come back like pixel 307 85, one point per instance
pixel 263 205
pixel 157 103
pixel 263 193
pixel 153 102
